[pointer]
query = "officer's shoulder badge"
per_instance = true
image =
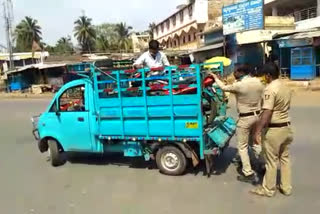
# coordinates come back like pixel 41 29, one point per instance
pixel 267 96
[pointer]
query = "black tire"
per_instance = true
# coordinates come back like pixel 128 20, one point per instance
pixel 55 153
pixel 178 163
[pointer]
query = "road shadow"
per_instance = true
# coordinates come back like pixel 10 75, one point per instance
pixel 220 166
pixel 115 159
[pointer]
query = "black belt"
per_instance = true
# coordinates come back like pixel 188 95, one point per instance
pixel 279 125
pixel 249 114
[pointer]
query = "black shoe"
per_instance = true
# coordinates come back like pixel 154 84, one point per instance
pixel 252 179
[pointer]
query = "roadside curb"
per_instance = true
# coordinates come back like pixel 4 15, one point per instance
pixel 25 95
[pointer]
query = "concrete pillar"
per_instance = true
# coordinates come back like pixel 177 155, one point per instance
pixel 275 11
pixel 318 7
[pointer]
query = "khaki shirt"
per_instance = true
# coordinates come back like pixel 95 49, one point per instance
pixel 277 97
pixel 248 92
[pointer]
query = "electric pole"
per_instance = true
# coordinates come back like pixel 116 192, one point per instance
pixel 8 19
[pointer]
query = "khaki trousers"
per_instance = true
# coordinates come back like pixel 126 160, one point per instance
pixel 276 149
pixel 244 132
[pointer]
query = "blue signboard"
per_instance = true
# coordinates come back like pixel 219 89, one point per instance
pixel 295 43
pixel 243 16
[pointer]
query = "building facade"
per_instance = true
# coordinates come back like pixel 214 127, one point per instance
pixel 180 31
pixel 140 41
pixel 305 12
pixel 299 51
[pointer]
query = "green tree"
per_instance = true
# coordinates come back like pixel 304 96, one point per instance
pixel 107 37
pixel 49 48
pixel 64 46
pixel 102 43
pixel 85 33
pixel 27 33
pixel 123 32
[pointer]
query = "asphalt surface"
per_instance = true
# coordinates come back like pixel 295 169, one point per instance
pixel 28 184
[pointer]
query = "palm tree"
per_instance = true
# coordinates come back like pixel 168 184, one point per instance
pixel 27 33
pixel 85 33
pixel 102 43
pixel 64 45
pixel 151 27
pixel 123 31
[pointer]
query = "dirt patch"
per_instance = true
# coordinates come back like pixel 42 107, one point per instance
pixel 306 98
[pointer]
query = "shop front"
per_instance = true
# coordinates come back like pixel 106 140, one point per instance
pixel 299 55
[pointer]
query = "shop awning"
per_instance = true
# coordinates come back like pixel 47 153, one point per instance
pixel 301 35
pixel 209 47
pixel 36 66
pixel 259 36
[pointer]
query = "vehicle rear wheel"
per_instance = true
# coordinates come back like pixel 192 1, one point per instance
pixel 55 153
pixel 171 160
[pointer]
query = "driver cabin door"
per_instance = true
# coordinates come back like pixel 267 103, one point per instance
pixel 74 119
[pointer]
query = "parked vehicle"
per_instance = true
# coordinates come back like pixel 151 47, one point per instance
pixel 105 111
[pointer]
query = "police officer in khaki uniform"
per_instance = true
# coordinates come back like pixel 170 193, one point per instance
pixel 248 91
pixel 278 135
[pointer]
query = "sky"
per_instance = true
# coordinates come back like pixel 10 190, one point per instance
pixel 56 17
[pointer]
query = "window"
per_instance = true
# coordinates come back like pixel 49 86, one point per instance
pixel 53 107
pixel 190 8
pixel 183 40
pixel 301 56
pixel 168 24
pixel 296 61
pixel 174 19
pixel 181 16
pixel 162 27
pixel 72 99
pixel 189 37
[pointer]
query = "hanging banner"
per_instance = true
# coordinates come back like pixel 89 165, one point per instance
pixel 243 16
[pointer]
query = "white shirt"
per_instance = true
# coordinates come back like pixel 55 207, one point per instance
pixel 147 60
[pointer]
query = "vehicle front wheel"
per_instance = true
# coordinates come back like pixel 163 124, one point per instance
pixel 55 153
pixel 171 160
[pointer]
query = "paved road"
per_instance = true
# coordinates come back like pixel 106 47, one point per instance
pixel 111 185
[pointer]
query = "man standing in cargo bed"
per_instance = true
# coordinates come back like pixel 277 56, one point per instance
pixel 248 91
pixel 152 58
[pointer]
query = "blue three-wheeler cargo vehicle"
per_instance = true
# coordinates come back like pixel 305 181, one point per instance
pixel 175 115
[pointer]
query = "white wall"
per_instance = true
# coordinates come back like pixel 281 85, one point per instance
pixel 201 11
pixel 269 1
pixel 308 23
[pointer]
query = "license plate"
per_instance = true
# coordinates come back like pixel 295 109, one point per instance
pixel 192 125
